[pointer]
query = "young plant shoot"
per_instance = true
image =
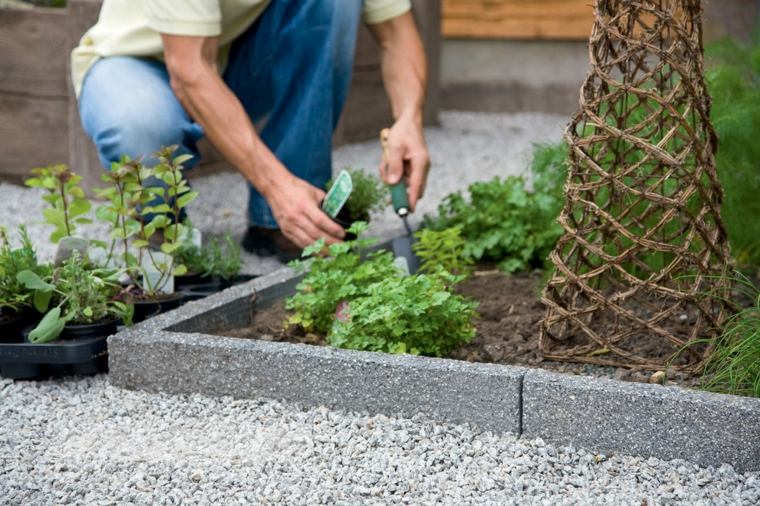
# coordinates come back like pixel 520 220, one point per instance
pixel 14 295
pixel 68 203
pixel 140 214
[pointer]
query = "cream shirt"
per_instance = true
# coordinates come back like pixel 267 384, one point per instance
pixel 134 27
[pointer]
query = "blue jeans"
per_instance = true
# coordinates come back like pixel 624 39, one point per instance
pixel 291 70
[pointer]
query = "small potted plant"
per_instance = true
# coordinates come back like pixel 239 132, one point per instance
pixel 84 299
pixel 16 302
pixel 212 267
pixel 142 215
pixel 366 197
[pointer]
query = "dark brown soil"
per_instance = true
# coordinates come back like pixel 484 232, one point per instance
pixel 507 329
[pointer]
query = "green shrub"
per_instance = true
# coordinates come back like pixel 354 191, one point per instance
pixel 407 314
pixel 733 79
pixel 340 275
pixel 504 221
pixel 442 249
pixel 220 258
pixel 13 294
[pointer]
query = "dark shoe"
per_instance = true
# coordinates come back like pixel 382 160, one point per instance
pixel 269 242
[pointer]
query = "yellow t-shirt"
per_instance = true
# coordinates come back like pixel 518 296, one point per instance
pixel 134 27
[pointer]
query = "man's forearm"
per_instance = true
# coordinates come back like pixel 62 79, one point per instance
pixel 211 103
pixel 404 66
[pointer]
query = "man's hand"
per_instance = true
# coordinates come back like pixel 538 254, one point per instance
pixel 296 207
pixel 402 58
pixel 408 159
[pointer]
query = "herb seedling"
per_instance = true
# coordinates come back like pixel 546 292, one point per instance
pixel 68 203
pixel 442 249
pixel 135 217
pixel 14 296
pixel 367 196
pixel 407 314
pixel 79 293
pixel 341 275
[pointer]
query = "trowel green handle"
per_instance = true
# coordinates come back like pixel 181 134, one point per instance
pixel 399 198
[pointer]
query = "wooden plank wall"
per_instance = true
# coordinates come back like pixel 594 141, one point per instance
pixel 518 19
pixel 39 121
pixel 33 89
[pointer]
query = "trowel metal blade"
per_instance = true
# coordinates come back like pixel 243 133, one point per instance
pixel 402 247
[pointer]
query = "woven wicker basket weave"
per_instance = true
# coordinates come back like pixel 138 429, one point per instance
pixel 644 250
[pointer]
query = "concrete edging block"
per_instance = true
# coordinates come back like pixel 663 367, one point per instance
pixel 666 422
pixel 166 354
pixel 172 353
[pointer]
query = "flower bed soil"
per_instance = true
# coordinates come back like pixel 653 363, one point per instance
pixel 507 329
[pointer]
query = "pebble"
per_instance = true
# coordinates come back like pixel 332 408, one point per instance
pixel 82 441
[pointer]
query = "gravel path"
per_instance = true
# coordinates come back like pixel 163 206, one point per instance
pixel 81 441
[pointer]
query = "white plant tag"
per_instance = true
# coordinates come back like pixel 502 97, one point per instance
pixel 152 272
pixel 67 246
pixel 98 256
pixel 192 236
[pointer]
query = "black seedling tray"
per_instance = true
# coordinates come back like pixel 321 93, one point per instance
pixel 21 360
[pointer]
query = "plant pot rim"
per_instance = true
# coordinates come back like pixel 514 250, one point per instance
pixel 103 322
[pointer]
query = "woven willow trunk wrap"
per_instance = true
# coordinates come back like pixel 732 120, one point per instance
pixel 644 250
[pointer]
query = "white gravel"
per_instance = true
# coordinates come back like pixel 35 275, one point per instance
pixel 81 441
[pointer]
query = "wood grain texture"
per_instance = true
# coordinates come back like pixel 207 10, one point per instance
pixel 31 45
pixel 518 19
pixel 33 132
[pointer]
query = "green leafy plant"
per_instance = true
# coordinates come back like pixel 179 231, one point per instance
pixel 217 258
pixel 339 275
pixel 14 295
pixel 442 249
pixel 68 203
pixel 733 79
pixel 368 195
pixel 368 304
pixel 506 222
pixel 136 217
pixel 407 314
pixel 80 294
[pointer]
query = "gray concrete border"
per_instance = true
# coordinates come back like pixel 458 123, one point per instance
pixel 171 353
pixel 666 422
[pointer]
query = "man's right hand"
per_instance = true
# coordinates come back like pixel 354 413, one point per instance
pixel 296 207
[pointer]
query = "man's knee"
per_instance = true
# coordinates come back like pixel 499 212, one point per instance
pixel 134 135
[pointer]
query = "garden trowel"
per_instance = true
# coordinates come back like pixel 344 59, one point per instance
pixel 402 246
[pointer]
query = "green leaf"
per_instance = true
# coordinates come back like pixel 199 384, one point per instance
pixel 185 199
pixel 33 282
pixel 49 328
pixel 179 270
pixel 169 247
pixel 41 300
pixel 179 160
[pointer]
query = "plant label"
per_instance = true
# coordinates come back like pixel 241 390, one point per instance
pixel 157 272
pixel 68 246
pixel 192 236
pixel 338 195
